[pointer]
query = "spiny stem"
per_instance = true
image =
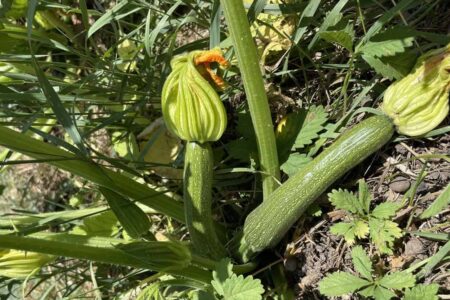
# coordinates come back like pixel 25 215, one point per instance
pixel 248 60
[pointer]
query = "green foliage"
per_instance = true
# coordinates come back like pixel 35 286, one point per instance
pixel 233 287
pixel 422 292
pixel 363 221
pixel 441 202
pixel 372 286
pixel 295 133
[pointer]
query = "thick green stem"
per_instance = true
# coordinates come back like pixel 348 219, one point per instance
pixel 198 177
pixel 248 60
pixel 107 255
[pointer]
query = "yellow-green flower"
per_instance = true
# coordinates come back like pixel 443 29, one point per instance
pixel 20 264
pixel 419 102
pixel 191 106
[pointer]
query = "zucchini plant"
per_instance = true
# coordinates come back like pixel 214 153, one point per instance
pixel 413 113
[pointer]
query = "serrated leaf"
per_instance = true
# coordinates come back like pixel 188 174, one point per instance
pixel 422 292
pixel 351 230
pixel 343 199
pixel 364 196
pixel 390 42
pixel 240 288
pixel 343 37
pixel 386 48
pixel 383 234
pixel 224 270
pixel 398 280
pixel 441 202
pixel 361 262
pixel 295 162
pixel 385 210
pixel 383 67
pixel 341 283
pixel 381 293
pixel 368 291
pixel 312 126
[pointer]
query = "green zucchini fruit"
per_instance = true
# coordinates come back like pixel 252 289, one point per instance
pixel 268 223
pixel 198 178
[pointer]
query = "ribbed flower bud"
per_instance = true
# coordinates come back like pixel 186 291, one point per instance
pixel 20 264
pixel 419 102
pixel 191 106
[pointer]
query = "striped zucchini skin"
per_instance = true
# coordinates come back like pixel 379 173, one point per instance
pixel 198 178
pixel 266 225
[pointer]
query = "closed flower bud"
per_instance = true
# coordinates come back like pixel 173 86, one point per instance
pixel 191 106
pixel 20 264
pixel 419 102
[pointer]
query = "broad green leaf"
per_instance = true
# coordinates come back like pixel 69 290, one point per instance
pixel 422 292
pixel 361 229
pixel 383 234
pixel 135 222
pixel 364 195
pixel 223 271
pixel 343 199
pixel 398 280
pixel 242 288
pixel 341 283
pixel 368 291
pixel 343 37
pixel 295 162
pixel 362 262
pixel 381 293
pixel 385 210
pixel 90 171
pixel 441 202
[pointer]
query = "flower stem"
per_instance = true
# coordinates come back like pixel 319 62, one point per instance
pixel 248 60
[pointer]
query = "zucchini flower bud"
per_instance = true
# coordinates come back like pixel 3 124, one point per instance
pixel 191 106
pixel 20 264
pixel 419 102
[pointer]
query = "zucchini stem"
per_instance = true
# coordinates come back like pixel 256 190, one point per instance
pixel 198 178
pixel 248 60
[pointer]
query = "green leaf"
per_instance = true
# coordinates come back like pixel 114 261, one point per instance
pixel 435 260
pixel 381 293
pixel 104 224
pixel 295 162
pixel 316 117
pixel 351 230
pixel 135 222
pixel 383 233
pixel 364 195
pixel 383 67
pixel 242 288
pixel 343 199
pixel 224 270
pixel 368 291
pixel 362 262
pixel 398 280
pixel 441 202
pixel 242 149
pixel 343 37
pixel 341 283
pixel 387 48
pixel 385 210
pixel 422 292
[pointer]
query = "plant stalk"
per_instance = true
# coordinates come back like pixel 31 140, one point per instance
pixel 108 255
pixel 198 177
pixel 248 60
